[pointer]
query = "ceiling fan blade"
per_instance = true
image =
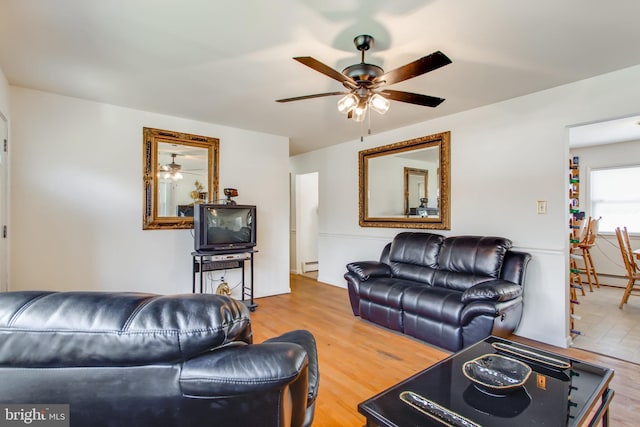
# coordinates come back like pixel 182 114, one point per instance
pixel 413 69
pixel 326 70
pixel 412 98
pixel 317 95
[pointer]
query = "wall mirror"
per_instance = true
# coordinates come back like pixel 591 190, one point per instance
pixel 406 184
pixel 178 171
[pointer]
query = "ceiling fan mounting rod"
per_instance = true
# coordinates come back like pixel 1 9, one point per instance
pixel 363 42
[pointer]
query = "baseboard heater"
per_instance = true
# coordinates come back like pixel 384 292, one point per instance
pixel 309 266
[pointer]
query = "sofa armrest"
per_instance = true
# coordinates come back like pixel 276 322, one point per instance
pixel 366 269
pixel 487 308
pixel 240 369
pixel 492 290
pixel 306 340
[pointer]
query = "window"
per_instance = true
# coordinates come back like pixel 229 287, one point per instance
pixel 615 196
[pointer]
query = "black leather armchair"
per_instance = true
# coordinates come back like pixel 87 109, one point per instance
pixel 450 292
pixel 131 359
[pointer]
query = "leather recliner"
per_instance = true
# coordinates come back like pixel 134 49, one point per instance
pixel 450 292
pixel 133 359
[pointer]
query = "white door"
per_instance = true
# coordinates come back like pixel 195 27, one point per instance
pixel 4 276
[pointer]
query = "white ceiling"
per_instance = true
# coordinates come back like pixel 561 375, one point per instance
pixel 227 62
pixel 605 132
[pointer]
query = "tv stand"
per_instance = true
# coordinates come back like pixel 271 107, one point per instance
pixel 225 260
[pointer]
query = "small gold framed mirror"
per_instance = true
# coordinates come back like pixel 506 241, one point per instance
pixel 179 170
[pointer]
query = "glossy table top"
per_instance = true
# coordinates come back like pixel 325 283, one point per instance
pixel 552 396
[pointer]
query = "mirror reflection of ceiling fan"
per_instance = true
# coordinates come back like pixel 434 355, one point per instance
pixel 172 170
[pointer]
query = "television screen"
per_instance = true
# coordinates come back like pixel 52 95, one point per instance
pixel 224 227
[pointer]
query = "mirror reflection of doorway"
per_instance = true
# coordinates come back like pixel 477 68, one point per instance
pixel 416 190
pixel 307 201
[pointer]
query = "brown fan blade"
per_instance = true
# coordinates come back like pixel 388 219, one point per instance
pixel 412 98
pixel 317 95
pixel 413 69
pixel 326 70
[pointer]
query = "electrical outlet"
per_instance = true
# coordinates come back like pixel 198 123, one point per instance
pixel 542 207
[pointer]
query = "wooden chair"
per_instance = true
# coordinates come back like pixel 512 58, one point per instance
pixel 583 250
pixel 633 272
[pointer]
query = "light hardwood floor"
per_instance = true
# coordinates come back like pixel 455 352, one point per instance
pixel 358 359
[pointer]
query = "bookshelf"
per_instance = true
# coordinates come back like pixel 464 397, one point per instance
pixel 576 221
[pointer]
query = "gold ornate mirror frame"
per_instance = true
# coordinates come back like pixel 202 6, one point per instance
pixel 381 183
pixel 166 155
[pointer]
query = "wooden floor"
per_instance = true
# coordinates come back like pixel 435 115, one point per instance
pixel 358 359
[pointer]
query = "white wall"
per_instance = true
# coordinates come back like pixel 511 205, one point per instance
pixel 504 158
pixel 76 204
pixel 606 253
pixel 4 95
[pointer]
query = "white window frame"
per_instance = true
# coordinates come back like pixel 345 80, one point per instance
pixel 627 196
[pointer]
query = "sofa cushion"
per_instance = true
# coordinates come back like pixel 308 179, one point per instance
pixel 414 256
pixel 58 329
pixel 416 248
pixel 434 303
pixel 413 272
pixel 465 261
pixel 385 291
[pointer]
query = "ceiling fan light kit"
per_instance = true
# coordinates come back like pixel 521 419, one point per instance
pixel 347 103
pixel 363 82
pixel 379 103
pixel 172 170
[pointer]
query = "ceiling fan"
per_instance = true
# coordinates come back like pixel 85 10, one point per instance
pixel 365 82
pixel 172 170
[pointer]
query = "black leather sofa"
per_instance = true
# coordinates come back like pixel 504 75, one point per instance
pixel 131 359
pixel 450 292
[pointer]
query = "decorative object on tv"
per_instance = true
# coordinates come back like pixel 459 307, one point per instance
pixel 230 192
pixel 222 227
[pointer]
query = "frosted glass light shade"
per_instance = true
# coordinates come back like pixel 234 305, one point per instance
pixel 379 104
pixel 173 176
pixel 359 112
pixel 347 103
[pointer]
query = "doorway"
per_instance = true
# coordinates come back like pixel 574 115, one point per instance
pixel 601 326
pixel 4 198
pixel 307 201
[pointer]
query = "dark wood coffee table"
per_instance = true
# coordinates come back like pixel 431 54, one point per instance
pixel 559 392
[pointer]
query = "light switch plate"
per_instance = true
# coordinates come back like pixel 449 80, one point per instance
pixel 542 207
